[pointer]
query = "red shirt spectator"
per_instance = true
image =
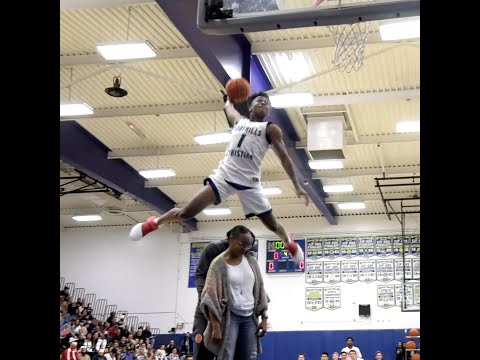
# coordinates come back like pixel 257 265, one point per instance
pixel 71 353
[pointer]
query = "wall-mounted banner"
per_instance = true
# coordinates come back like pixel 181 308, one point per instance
pixel 348 247
pixel 313 298
pixel 397 241
pixel 416 269
pixel 399 264
pixel 367 271
pixel 349 271
pixel 331 272
pixel 331 248
pixel 400 299
pixel 314 249
pixel 196 249
pixel 383 246
pixel 331 298
pixel 366 246
pixel 385 270
pixel 386 296
pixel 415 245
pixel 314 273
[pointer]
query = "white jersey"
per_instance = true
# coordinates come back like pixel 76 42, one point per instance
pixel 245 152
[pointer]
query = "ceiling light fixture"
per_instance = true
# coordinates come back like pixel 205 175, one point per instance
pixel 87 217
pixel 75 109
pixel 337 188
pixel 271 190
pixel 291 100
pixel 157 173
pixel 217 211
pixel 213 138
pixel 116 90
pixel 325 164
pixel 400 29
pixel 351 205
pixel 412 126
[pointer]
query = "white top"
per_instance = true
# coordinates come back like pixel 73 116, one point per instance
pixel 347 349
pixel 241 280
pixel 245 152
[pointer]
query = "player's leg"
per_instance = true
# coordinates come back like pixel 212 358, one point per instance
pixel 272 224
pixel 204 197
pixel 255 203
pixel 214 190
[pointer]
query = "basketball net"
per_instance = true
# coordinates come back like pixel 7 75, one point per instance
pixel 350 40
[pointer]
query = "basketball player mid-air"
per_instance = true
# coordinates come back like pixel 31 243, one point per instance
pixel 239 173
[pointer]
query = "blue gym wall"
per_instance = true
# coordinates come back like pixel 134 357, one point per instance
pixel 285 345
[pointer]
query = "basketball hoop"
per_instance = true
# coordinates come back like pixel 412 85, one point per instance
pixel 350 40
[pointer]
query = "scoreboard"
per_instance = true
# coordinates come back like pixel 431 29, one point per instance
pixel 279 260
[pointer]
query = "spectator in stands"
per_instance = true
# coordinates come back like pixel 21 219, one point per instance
pixel 324 356
pixel 350 346
pixel 378 355
pixel 161 354
pixel 99 355
pixel 233 299
pixel 101 342
pixel 111 317
pixel 83 353
pixel 335 356
pixel 400 351
pixel 344 355
pixel 301 356
pixel 71 353
pixel 88 344
pixel 174 355
pixel 186 346
pixel 189 357
pixel 169 348
pixel 353 355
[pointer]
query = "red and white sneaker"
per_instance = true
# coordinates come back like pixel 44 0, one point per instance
pixel 296 252
pixel 142 229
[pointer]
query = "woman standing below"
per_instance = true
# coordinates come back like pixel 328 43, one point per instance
pixel 232 300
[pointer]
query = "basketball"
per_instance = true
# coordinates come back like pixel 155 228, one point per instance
pixel 415 357
pixel 410 345
pixel 238 90
pixel 414 332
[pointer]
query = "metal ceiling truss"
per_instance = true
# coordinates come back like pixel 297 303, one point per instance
pixel 84 184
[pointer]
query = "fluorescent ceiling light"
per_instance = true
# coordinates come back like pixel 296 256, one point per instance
pixel 272 190
pixel 87 217
pixel 291 100
pixel 351 205
pixel 213 138
pixel 325 164
pixel 337 188
pixel 75 109
pixel 217 211
pixel 292 66
pixel 399 29
pixel 157 173
pixel 408 126
pixel 126 50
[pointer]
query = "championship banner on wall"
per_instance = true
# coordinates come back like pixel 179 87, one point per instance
pixel 416 294
pixel 383 246
pixel 397 242
pixel 331 248
pixel 399 295
pixel 415 245
pixel 399 269
pixel 367 271
pixel 313 298
pixel 348 247
pixel 196 249
pixel 314 273
pixel 314 249
pixel 331 298
pixel 385 270
pixel 349 271
pixel 366 246
pixel 385 296
pixel 331 272
pixel 416 269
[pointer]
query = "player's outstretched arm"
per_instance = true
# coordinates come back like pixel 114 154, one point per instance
pixel 276 136
pixel 232 114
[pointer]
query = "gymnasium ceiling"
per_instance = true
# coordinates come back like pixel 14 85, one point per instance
pixel 176 95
